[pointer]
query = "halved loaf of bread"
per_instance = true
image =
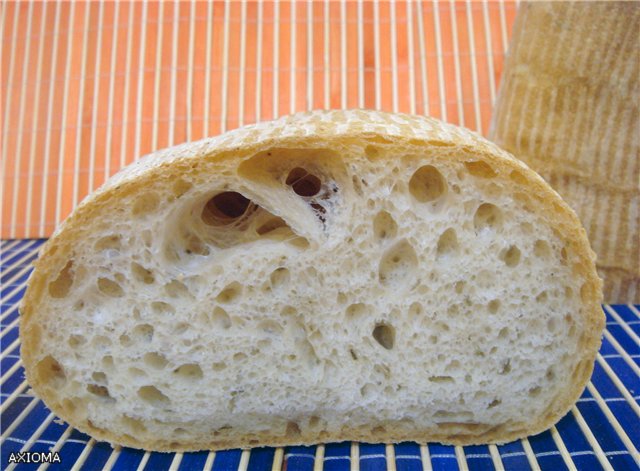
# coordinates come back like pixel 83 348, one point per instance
pixel 345 275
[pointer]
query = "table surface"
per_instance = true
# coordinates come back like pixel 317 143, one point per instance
pixel 601 432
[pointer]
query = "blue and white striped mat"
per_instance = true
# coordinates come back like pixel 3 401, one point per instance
pixel 601 432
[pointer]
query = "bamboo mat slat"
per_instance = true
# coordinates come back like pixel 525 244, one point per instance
pixel 88 87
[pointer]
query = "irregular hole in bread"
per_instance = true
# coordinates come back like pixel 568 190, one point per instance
pixel 535 391
pixel 225 208
pixel 494 403
pixel 292 430
pixel 270 327
pixel 398 265
pixel 142 274
pixel 487 216
pixel 427 184
pixel 110 287
pixel 511 256
pixel 180 187
pixel 60 287
pixel 125 340
pixel 101 342
pixel 447 242
pixel 541 249
pixel 76 340
pixel 220 318
pixel 136 372
pixel 112 242
pixel 107 362
pixel 145 203
pixel 50 371
pixel 176 289
pixel 518 177
pixel 506 367
pixel 303 183
pixel 218 366
pixel 160 307
pixel 155 360
pixel 100 391
pixel 153 396
pixel 189 371
pixel 279 277
pixel 384 334
pixel 494 306
pixel 143 332
pixel 384 226
pixel 542 297
pixel 271 225
pixel 441 379
pixel 230 293
pixel 99 377
pixel 356 311
pixel 479 168
pixel 136 426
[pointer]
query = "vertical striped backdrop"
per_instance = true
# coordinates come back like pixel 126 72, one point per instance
pixel 88 87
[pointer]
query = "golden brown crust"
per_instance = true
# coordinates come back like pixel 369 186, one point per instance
pixel 568 107
pixel 309 129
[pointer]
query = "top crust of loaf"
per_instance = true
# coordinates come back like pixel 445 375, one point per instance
pixel 308 130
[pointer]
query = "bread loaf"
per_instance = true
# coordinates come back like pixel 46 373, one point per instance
pixel 568 107
pixel 329 276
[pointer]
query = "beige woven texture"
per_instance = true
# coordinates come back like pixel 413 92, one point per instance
pixel 568 107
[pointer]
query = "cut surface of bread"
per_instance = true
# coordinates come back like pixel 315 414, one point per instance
pixel 329 276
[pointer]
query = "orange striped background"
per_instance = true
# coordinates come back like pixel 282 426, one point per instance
pixel 87 87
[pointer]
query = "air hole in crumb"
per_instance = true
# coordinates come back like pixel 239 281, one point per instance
pixel 143 332
pixel 542 297
pixel 384 226
pixel 99 377
pixel 60 287
pixel 270 327
pixel 584 292
pixel 459 286
pixel 353 354
pixel 487 216
pixel 135 425
pixel 180 187
pixel 76 341
pixel 384 334
pixel 153 396
pixel 190 371
pixel 480 169
pixel 541 249
pixel 141 274
pixel 161 307
pixel 220 319
pixel 176 289
pixel 98 390
pixel 155 360
pixel 511 256
pixel 518 177
pixel 494 305
pixel 552 325
pixel 356 311
pixel 279 277
pixel 303 183
pixel 398 265
pixel 271 225
pixel 441 379
pixel 145 204
pixel 219 366
pixel 550 374
pixel 48 370
pixel 224 208
pixel 125 340
pixel 293 430
pixel 535 391
pixel 230 293
pixel 110 288
pixel 494 403
pixel 108 242
pixel 427 184
pixel 447 242
pixel 503 333
pixel 506 367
